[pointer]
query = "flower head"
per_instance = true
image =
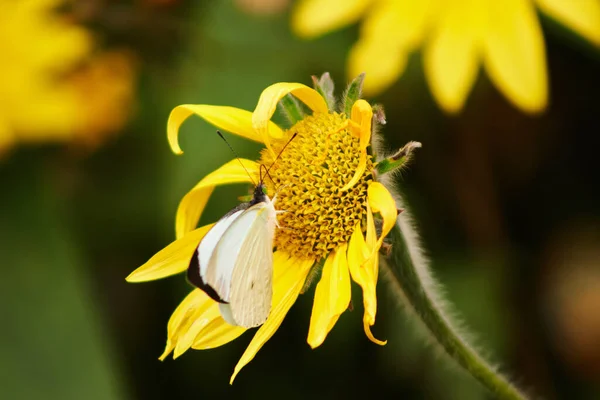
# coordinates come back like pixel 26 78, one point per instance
pixel 457 36
pixel 336 213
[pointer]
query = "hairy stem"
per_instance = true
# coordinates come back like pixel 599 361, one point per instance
pixel 411 282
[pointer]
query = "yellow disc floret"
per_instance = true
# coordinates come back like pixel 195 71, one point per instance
pixel 308 177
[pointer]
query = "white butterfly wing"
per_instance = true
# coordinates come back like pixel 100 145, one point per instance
pixel 218 265
pixel 252 279
pixel 209 243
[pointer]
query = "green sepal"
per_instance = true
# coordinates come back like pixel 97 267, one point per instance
pixel 353 93
pixel 292 109
pixel 398 160
pixel 325 86
pixel 313 275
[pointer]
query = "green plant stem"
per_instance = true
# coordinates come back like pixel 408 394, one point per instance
pixel 412 284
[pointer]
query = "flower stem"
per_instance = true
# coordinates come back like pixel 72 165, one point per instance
pixel 412 283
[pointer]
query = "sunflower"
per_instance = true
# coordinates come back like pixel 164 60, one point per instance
pixel 505 37
pixel 337 214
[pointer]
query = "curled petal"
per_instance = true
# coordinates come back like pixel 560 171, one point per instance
pixel 193 203
pixel 381 201
pixel 312 18
pixel 230 119
pixel 267 103
pixel 332 297
pixel 288 279
pixel 583 16
pixel 515 55
pixel 171 260
pixel 360 122
pixel 365 274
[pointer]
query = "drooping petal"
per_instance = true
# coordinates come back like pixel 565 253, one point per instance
pixel 171 260
pixel 365 274
pixel 360 123
pixel 332 297
pixel 267 103
pixel 193 203
pixel 514 53
pixel 381 201
pixel 289 275
pixel 583 16
pixel 312 18
pixel 230 119
pixel 451 56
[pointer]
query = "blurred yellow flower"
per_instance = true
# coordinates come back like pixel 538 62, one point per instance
pixel 457 36
pixel 326 186
pixel 50 82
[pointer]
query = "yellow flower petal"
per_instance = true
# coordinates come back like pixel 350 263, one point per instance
pixel 332 297
pixel 402 23
pixel 361 118
pixel 312 18
pixel 230 119
pixel 514 53
pixel 171 260
pixel 216 333
pixel 288 280
pixel 389 33
pixel 197 320
pixel 583 16
pixel 184 315
pixel 381 63
pixel 267 103
pixel 193 203
pixel 451 57
pixel 365 274
pixel 381 201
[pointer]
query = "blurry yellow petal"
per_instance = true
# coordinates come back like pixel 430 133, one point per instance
pixel 267 103
pixel 583 16
pixel 402 23
pixel 514 53
pixel 288 279
pixel 195 303
pixel 381 201
pixel 389 33
pixel 382 64
pixel 230 119
pixel 361 118
pixel 364 274
pixel 171 260
pixel 332 297
pixel 451 58
pixel 315 17
pixel 193 203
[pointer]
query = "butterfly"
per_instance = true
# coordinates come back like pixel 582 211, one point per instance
pixel 233 264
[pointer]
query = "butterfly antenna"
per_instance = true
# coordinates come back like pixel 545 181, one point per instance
pixel 237 157
pixel 277 158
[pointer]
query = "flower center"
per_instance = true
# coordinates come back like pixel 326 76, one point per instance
pixel 308 177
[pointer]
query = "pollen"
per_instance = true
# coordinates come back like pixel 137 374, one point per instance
pixel 308 176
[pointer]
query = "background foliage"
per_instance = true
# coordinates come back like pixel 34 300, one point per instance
pixel 508 206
